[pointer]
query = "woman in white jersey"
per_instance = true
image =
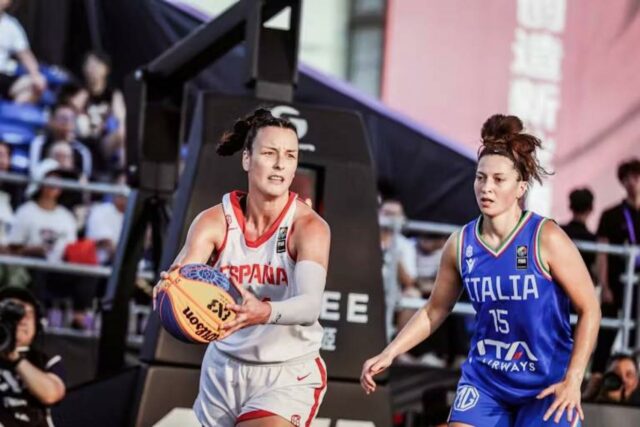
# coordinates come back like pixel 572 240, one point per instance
pixel 265 370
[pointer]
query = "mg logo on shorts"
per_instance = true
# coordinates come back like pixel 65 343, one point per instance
pixel 466 398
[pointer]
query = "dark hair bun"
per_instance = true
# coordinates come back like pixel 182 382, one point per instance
pixel 504 136
pixel 245 129
pixel 502 127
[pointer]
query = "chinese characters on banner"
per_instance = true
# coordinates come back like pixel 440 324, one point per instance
pixel 536 73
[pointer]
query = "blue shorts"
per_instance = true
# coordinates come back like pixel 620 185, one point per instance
pixel 476 407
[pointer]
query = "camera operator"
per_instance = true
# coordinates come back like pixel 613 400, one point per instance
pixel 30 381
pixel 620 382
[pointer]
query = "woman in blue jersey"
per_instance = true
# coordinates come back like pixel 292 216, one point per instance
pixel 521 272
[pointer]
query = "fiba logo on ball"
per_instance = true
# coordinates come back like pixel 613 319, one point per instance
pixel 466 398
pixel 193 304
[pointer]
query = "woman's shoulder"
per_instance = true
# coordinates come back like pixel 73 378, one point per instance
pixel 308 220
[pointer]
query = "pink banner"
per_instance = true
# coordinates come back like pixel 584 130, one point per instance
pixel 568 68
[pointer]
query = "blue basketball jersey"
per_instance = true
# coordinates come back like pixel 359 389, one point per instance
pixel 522 339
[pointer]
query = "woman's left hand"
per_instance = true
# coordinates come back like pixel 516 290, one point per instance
pixel 567 393
pixel 251 312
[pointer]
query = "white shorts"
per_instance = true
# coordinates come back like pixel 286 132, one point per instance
pixel 232 391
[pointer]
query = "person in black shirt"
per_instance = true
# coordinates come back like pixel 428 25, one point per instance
pixel 106 111
pixel 30 380
pixel 619 225
pixel 581 205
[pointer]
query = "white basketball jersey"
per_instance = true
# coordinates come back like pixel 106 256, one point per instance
pixel 265 268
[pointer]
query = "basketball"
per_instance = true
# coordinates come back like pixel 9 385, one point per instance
pixel 192 306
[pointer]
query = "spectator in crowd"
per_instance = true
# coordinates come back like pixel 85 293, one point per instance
pixel 14 42
pixel 104 223
pixel 619 225
pixel 61 128
pixel 75 201
pixel 620 383
pixel 445 347
pixel 10 275
pixel 76 96
pixel 6 208
pixel 399 262
pixel 581 205
pixel 429 251
pixel 42 228
pixel 82 289
pixel 106 111
pixel 61 152
pixel 14 191
pixel 30 380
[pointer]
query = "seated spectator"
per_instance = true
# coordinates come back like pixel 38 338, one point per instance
pixel 61 128
pixel 6 209
pixel 30 380
pixel 429 251
pixel 76 96
pixel 446 347
pixel 14 192
pixel 104 223
pixel 620 383
pixel 106 111
pixel 61 152
pixel 581 205
pixel 14 42
pixel 399 263
pixel 42 228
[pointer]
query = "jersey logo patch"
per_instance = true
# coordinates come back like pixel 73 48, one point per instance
pixel 469 251
pixel 466 398
pixel 470 263
pixel 522 261
pixel 281 243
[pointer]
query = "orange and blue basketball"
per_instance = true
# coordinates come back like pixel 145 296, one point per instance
pixel 192 305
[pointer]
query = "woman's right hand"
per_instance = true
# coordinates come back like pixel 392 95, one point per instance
pixel 373 367
pixel 164 275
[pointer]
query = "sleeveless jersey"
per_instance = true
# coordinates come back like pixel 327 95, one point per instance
pixel 522 339
pixel 265 268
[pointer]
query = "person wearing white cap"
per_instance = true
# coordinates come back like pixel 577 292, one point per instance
pixel 42 227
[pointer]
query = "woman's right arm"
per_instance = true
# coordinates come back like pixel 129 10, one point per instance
pixel 426 320
pixel 206 234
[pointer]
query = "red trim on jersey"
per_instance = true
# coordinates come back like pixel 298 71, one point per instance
pixel 237 210
pixel 317 392
pixel 254 415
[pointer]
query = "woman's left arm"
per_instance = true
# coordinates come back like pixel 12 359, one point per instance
pixel 561 257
